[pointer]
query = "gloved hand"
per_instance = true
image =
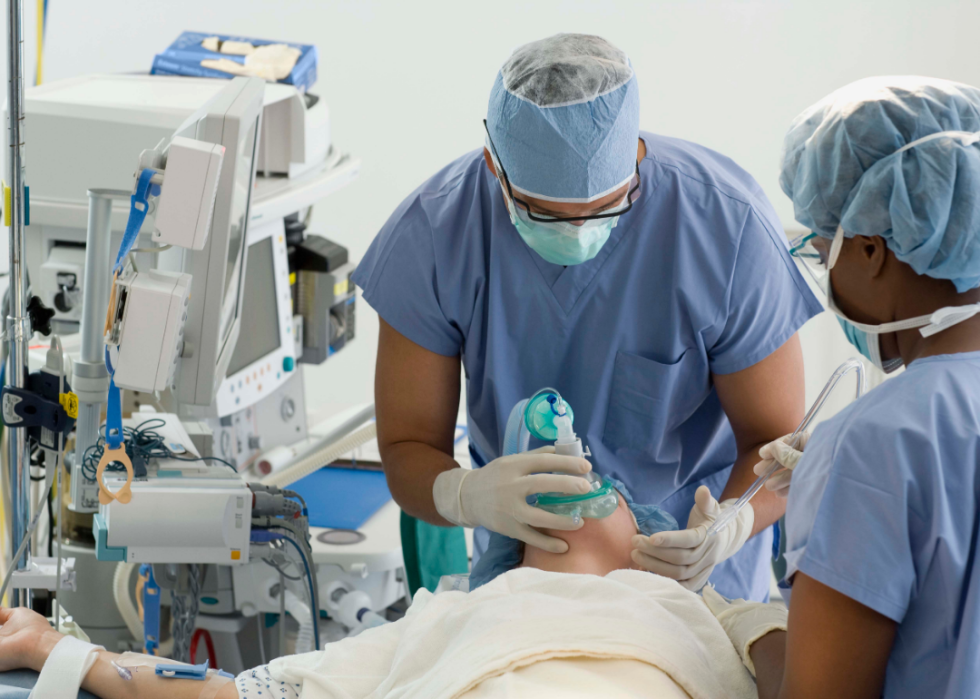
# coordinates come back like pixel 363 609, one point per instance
pixel 689 555
pixel 495 496
pixel 745 622
pixel 788 455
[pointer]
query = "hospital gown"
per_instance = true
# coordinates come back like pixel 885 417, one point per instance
pixel 884 509
pixel 696 280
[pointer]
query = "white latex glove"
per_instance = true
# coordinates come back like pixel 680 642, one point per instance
pixel 495 496
pixel 788 455
pixel 745 622
pixel 689 555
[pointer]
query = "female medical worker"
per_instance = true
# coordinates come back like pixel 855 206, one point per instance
pixel 646 278
pixel 883 513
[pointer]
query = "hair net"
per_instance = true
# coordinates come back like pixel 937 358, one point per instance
pixel 504 553
pixel 844 165
pixel 564 117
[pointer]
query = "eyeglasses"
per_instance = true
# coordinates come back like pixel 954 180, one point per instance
pixel 541 218
pixel 814 259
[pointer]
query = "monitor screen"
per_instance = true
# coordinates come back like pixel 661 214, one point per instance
pixel 230 303
pixel 258 334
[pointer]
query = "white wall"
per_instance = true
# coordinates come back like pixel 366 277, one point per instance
pixel 407 83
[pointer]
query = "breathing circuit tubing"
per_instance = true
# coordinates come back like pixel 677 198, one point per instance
pixel 730 513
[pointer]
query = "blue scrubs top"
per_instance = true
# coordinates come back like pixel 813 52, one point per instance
pixel 884 509
pixel 694 280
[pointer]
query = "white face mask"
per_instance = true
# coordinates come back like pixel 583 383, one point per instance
pixel 866 337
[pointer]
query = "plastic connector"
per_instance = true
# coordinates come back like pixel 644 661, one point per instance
pixel 269 505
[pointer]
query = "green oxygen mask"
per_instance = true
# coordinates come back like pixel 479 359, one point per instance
pixel 601 502
pixel 548 418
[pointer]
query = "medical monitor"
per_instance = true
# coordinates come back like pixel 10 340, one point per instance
pixel 263 359
pixel 259 331
pixel 232 118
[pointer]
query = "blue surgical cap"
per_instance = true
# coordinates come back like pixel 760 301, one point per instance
pixel 564 117
pixel 504 553
pixel 841 166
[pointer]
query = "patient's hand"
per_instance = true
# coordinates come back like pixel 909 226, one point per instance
pixel 26 639
pixel 598 548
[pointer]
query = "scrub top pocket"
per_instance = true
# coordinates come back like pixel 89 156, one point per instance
pixel 649 400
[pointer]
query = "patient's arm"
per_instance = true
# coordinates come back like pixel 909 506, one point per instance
pixel 26 640
pixel 598 548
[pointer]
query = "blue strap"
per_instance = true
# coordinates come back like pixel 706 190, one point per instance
pixel 139 204
pixel 151 610
pixel 113 418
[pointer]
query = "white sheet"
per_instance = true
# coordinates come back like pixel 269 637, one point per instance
pixel 580 678
pixel 449 644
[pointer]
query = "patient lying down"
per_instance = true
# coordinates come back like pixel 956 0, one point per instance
pixel 575 624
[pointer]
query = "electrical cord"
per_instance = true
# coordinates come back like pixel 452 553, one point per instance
pixel 296 496
pixel 50 524
pixel 184 608
pixel 27 538
pixel 315 607
pixel 271 564
pixel 274 523
pixel 142 442
pixel 258 619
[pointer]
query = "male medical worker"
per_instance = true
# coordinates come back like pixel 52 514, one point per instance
pixel 884 505
pixel 645 278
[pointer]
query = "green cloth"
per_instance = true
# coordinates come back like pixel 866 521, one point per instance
pixel 431 552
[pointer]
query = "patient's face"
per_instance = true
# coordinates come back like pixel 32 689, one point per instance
pixel 599 547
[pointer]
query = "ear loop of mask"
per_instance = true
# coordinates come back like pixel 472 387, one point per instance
pixel 928 325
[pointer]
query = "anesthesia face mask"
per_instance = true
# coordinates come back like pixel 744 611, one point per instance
pixel 548 417
pixel 599 503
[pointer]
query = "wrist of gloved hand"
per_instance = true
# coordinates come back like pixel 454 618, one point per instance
pixel 690 555
pixel 786 452
pixel 447 495
pixel 745 622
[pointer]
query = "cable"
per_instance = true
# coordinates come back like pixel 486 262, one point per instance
pixel 282 615
pixel 258 619
pixel 184 608
pixel 143 443
pixel 294 578
pixel 296 496
pixel 27 538
pixel 195 639
pixel 315 607
pixel 50 524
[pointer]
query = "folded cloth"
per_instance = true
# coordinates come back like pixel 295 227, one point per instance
pixel 449 644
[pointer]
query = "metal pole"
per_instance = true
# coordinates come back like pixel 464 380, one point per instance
pixel 91 380
pixel 18 328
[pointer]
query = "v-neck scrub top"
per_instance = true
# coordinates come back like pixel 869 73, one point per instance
pixel 695 280
pixel 885 508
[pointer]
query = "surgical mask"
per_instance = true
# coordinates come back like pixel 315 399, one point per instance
pixel 561 242
pixel 866 338
pixel 868 344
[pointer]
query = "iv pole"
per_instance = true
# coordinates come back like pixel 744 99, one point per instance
pixel 17 324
